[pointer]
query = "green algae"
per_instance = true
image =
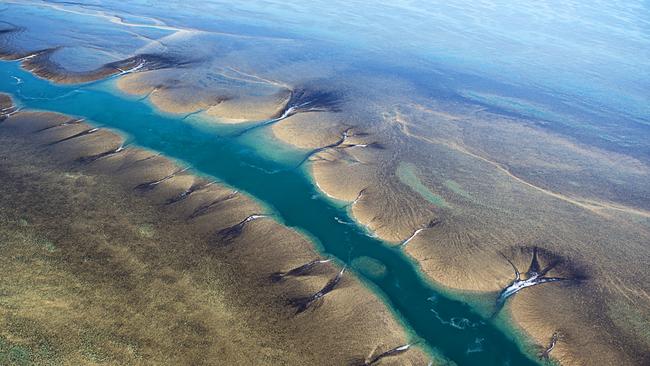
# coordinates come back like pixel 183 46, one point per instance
pixel 406 172
pixel 456 188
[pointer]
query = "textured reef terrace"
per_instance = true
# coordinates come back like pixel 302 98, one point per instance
pixel 471 190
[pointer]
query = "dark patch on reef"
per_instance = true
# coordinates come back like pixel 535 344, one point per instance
pixel 147 186
pixel 67 2
pixel 301 101
pixel 92 158
pixel 133 163
pixel 5 31
pixel 344 135
pixel 546 352
pixel 148 62
pixel 186 193
pixel 204 209
pixel 303 303
pixel 7 53
pixel 227 235
pixel 431 224
pixel 308 100
pixel 76 135
pixel 341 144
pixel 538 274
pixel 303 270
pixel 373 145
pixel 69 122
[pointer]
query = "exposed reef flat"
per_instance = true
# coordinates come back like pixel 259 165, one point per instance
pixel 362 172
pixel 115 254
pixel 504 208
pixel 218 95
pixel 457 185
pixel 457 212
pixel 310 131
pixel 40 63
pixel 456 225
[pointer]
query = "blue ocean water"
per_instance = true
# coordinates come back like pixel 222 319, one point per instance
pixel 587 62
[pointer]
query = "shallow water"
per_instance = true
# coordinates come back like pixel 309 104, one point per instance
pixel 448 326
pixel 582 67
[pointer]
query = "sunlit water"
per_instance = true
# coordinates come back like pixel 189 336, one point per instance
pixel 583 66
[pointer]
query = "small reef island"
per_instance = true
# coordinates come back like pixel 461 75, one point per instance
pixel 324 183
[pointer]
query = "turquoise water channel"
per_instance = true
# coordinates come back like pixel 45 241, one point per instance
pixel 449 327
